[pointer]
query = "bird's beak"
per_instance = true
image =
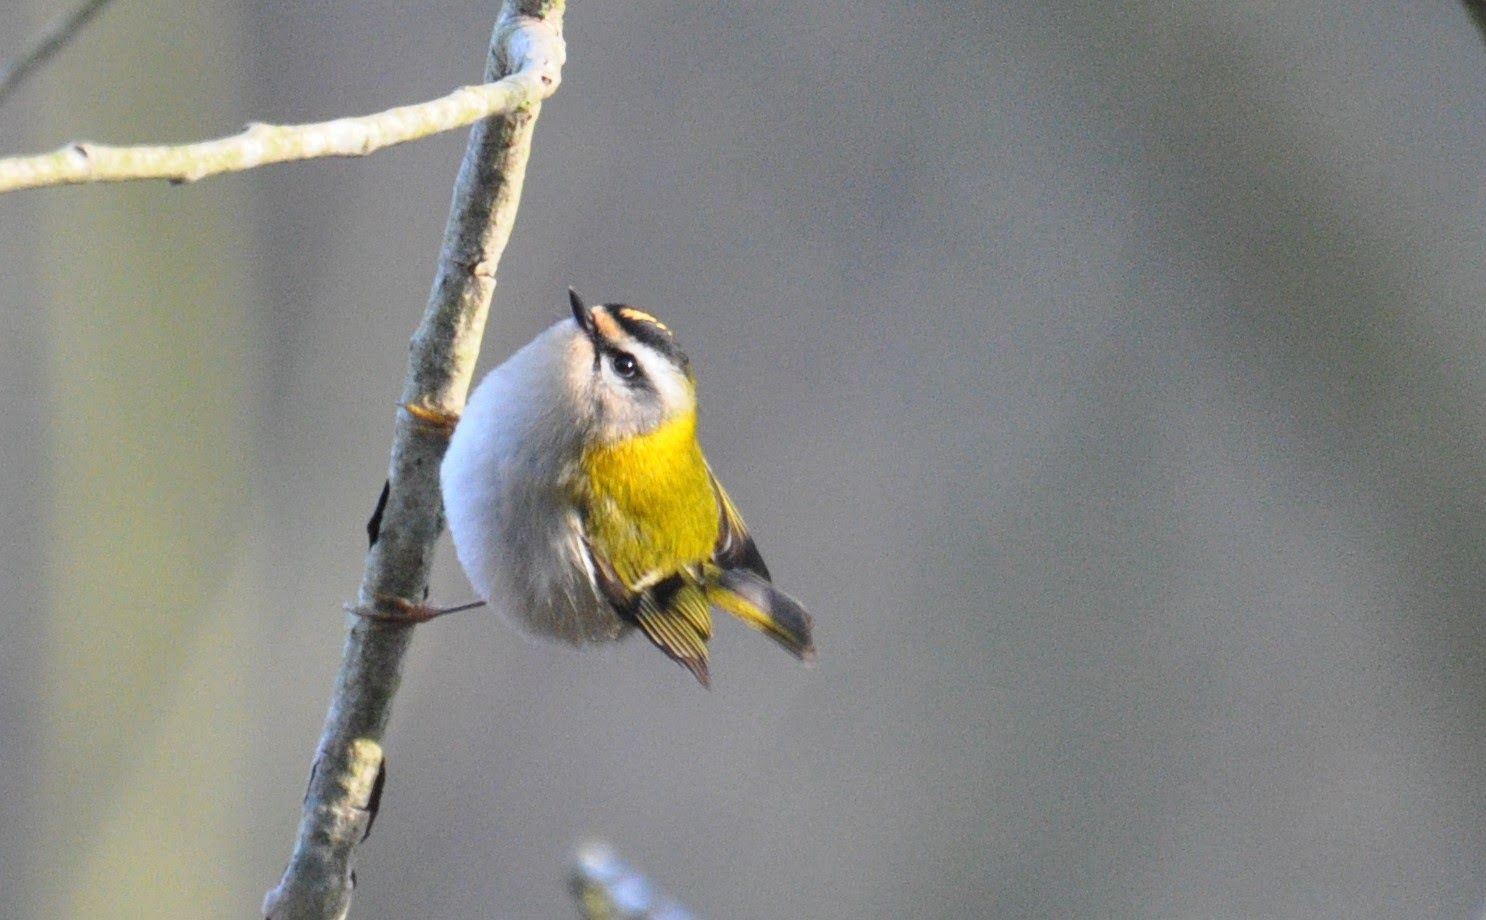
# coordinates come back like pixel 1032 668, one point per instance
pixel 581 313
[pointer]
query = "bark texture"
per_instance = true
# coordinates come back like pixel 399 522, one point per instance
pixel 348 770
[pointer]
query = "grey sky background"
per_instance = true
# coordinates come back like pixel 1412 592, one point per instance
pixel 1107 382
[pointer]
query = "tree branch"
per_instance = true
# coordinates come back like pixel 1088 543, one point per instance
pixel 48 42
pixel 346 778
pixel 607 889
pixel 261 144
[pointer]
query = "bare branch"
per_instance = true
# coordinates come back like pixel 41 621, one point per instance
pixel 607 889
pixel 261 144
pixel 46 43
pixel 340 801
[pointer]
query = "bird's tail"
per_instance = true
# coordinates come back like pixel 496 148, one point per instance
pixel 758 603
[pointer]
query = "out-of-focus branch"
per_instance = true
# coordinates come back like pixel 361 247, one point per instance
pixel 261 144
pixel 607 889
pixel 348 772
pixel 46 43
pixel 1477 9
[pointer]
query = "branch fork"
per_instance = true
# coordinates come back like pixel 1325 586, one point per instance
pixel 526 57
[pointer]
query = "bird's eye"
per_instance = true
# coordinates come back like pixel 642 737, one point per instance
pixel 626 366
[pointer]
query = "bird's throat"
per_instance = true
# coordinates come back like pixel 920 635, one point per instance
pixel 650 502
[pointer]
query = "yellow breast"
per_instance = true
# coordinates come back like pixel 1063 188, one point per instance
pixel 650 505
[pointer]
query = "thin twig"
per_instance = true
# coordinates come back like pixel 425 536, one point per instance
pixel 607 889
pixel 348 772
pixel 46 43
pixel 261 144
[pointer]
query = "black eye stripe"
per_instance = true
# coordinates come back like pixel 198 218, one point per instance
pixel 647 333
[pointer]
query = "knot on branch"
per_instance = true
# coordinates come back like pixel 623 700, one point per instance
pixel 532 46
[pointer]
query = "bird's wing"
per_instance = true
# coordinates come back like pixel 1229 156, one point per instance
pixel 676 615
pixel 673 611
pixel 735 548
pixel 740 584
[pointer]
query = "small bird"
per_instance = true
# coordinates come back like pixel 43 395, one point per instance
pixel 581 505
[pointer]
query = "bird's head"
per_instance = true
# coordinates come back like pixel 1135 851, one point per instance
pixel 625 370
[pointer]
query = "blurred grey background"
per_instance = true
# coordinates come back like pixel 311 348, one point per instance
pixel 1106 378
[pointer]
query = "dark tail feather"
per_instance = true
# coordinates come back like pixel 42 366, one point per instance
pixel 764 607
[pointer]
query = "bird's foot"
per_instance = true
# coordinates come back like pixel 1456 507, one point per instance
pixel 439 420
pixel 399 611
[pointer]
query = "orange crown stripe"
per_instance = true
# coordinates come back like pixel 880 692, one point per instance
pixel 643 317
